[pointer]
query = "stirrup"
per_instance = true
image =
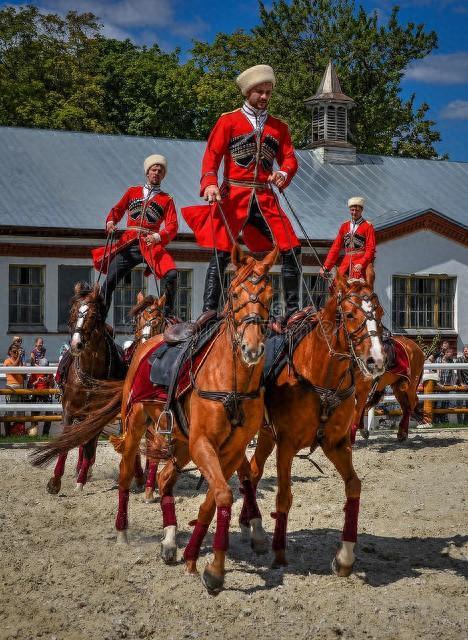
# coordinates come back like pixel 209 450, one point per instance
pixel 166 432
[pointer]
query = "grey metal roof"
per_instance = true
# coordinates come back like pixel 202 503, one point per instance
pixel 65 179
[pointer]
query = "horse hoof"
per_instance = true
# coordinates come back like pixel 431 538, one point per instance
pixel 191 568
pixel 169 554
pixel 401 437
pixel 122 537
pixel 213 584
pixel 79 487
pixel 364 433
pixel 280 560
pixel 53 486
pixel 245 532
pixel 260 547
pixel 341 570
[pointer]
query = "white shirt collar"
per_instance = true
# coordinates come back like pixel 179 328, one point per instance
pixel 256 117
pixel 151 190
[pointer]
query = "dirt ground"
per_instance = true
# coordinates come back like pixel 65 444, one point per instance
pixel 64 578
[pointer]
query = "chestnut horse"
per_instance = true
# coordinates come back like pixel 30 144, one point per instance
pixel 92 350
pixel 405 388
pixel 312 404
pixel 94 356
pixel 224 407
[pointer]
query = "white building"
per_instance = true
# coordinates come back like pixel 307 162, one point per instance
pixel 56 189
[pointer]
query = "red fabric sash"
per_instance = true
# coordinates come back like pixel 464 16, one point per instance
pixel 402 364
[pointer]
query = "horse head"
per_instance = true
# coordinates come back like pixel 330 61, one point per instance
pixel 87 316
pixel 148 316
pixel 248 304
pixel 359 314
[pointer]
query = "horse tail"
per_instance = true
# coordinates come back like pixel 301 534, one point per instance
pixel 375 398
pixel 102 410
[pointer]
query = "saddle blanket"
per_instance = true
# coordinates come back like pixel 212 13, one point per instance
pixel 401 366
pixel 144 390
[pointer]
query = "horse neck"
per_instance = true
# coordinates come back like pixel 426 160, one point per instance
pixel 317 360
pixel 224 368
pixel 94 359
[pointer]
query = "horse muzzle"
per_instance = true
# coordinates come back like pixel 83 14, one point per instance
pixel 252 356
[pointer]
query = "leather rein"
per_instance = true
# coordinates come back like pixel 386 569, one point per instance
pixel 232 400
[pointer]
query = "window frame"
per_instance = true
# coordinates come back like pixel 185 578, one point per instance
pixel 189 289
pixel 28 327
pixel 127 327
pixel 435 313
pixel 62 327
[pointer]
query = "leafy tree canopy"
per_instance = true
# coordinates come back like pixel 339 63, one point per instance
pixel 62 73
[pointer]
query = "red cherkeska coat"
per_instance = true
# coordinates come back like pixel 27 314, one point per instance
pixel 359 248
pixel 234 141
pixel 143 216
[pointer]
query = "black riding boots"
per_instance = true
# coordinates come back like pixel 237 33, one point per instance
pixel 214 280
pixel 169 289
pixel 291 276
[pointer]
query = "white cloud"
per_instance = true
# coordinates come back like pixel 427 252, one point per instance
pixel 455 110
pixel 140 20
pixel 450 68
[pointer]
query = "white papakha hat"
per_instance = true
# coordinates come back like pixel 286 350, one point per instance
pixel 356 201
pixel 156 158
pixel 249 78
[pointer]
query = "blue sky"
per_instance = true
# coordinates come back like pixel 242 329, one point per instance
pixel 441 79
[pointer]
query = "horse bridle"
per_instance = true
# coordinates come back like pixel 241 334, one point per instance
pixel 253 297
pixel 144 333
pixel 354 338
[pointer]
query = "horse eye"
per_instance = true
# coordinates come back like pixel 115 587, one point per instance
pixel 349 315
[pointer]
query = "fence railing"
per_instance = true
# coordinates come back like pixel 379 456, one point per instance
pixel 432 393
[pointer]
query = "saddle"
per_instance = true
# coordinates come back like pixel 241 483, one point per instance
pixel 280 347
pixel 170 360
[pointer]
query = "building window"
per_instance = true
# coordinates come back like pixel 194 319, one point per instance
pixel 318 124
pixel 317 287
pixel 26 297
pixel 125 296
pixel 331 123
pixel 184 294
pixel 68 276
pixel 341 124
pixel 423 302
pixel 277 302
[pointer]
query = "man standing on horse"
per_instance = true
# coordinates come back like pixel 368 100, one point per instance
pixel 249 141
pixel 143 241
pixel 357 238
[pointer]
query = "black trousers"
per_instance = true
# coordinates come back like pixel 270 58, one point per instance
pixel 123 263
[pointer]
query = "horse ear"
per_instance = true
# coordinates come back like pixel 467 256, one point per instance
pixel 162 301
pixel 237 256
pixel 97 289
pixel 270 259
pixel 140 297
pixel 77 288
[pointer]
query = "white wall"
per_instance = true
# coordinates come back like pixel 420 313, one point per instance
pixel 424 253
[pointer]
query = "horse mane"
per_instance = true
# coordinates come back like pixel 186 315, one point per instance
pixel 138 308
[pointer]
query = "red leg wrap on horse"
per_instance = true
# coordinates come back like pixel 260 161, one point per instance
pixel 121 522
pixel 279 536
pixel 351 510
pixel 168 511
pixel 221 536
pixel 250 508
pixel 60 465
pixel 192 550
pixel 83 475
pixel 352 433
pixel 151 477
pixel 138 469
pixel 80 459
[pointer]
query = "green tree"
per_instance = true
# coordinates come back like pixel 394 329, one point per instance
pixel 298 38
pixel 147 92
pixel 47 70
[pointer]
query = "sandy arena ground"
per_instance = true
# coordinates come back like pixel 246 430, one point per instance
pixel 64 578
